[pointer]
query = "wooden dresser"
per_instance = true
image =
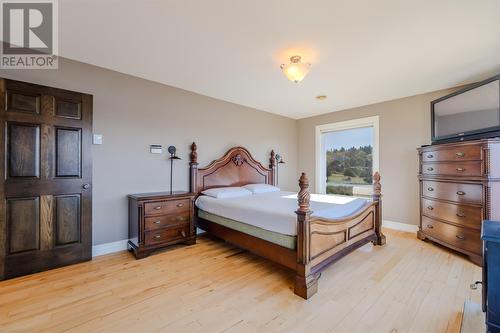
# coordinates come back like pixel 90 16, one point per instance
pixel 160 219
pixel 459 187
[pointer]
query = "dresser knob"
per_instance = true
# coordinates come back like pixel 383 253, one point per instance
pixel 430 189
pixel 430 169
pixel 180 205
pixel 461 237
pixel 461 169
pixel 430 208
pixel 179 218
pixel 183 233
pixel 430 156
pixel 158 207
pixel 157 236
pixel 157 222
pixel 459 214
pixel 460 192
pixel 430 226
pixel 460 154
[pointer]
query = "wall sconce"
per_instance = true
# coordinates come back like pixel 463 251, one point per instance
pixel 279 160
pixel 171 151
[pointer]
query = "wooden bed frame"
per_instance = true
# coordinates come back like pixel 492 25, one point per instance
pixel 319 241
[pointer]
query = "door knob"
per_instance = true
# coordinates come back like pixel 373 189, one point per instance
pixel 86 186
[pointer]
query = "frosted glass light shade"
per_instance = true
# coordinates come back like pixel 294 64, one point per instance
pixel 296 70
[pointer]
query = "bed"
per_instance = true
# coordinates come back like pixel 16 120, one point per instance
pixel 302 231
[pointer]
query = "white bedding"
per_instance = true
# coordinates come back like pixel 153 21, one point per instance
pixel 275 211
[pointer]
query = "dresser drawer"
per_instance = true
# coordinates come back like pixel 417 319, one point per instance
pixel 461 169
pixel 467 216
pixel 465 239
pixel 167 207
pixel 461 193
pixel 162 221
pixel 458 153
pixel 166 235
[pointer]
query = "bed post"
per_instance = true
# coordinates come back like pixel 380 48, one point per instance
pixel 193 168
pixel 272 166
pixel 377 198
pixel 306 284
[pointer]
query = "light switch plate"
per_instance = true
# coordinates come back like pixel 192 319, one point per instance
pixel 97 139
pixel 155 149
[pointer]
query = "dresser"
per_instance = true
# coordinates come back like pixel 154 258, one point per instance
pixel 160 219
pixel 459 187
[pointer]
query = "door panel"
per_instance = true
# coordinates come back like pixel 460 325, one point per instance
pixel 23 102
pixel 46 196
pixel 67 109
pixel 23 217
pixel 67 221
pixel 23 150
pixel 68 152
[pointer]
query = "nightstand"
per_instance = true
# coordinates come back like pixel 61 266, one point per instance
pixel 160 219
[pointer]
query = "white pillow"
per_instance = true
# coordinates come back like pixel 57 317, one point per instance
pixel 227 192
pixel 261 188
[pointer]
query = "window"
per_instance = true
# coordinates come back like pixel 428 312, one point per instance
pixel 347 156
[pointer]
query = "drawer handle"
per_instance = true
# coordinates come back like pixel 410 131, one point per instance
pixel 180 218
pixel 430 156
pixel 430 208
pixel 157 207
pixel 430 189
pixel 459 214
pixel 157 236
pixel 461 237
pixel 460 192
pixel 157 222
pixel 460 154
pixel 461 169
pixel 183 233
pixel 430 226
pixel 180 205
pixel 430 169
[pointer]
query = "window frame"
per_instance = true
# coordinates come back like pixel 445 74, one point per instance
pixel 372 121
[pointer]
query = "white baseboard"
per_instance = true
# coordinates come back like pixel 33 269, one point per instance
pixel 400 226
pixel 102 249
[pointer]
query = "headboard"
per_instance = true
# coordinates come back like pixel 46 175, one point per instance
pixel 236 168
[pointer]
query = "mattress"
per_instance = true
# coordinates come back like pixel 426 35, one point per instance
pixel 275 211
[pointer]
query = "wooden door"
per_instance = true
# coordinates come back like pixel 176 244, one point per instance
pixel 46 189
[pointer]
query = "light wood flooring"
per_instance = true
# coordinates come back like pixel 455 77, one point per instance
pixel 406 286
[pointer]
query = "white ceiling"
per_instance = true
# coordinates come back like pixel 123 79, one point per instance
pixel 362 52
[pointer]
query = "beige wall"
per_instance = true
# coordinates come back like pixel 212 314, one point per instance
pixel 132 113
pixel 404 126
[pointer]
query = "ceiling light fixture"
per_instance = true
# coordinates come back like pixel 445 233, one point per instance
pixel 296 70
pixel 321 97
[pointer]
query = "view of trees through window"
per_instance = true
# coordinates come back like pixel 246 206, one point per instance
pixel 349 163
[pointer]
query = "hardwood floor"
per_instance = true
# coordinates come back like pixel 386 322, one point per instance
pixel 405 286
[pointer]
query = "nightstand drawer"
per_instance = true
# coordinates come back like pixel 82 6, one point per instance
pixel 166 235
pixel 167 207
pixel 162 221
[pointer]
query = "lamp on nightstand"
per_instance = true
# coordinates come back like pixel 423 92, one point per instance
pixel 279 160
pixel 171 151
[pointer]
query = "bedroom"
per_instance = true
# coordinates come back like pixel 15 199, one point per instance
pixel 134 79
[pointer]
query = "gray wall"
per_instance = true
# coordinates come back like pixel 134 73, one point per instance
pixel 404 126
pixel 132 113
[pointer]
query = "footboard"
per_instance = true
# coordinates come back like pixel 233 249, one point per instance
pixel 321 241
